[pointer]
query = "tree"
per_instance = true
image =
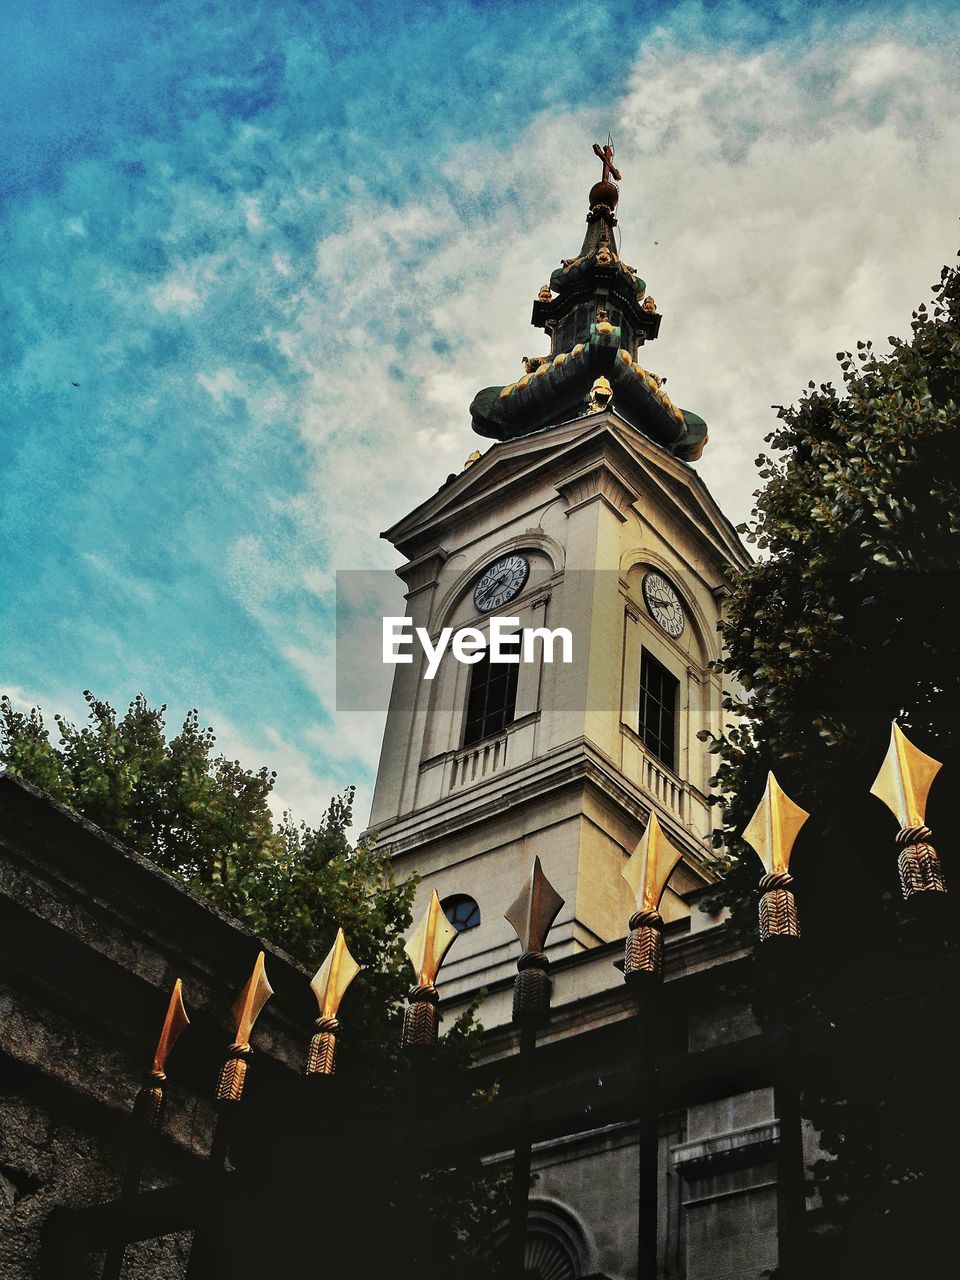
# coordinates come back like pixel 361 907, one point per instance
pixel 847 621
pixel 206 820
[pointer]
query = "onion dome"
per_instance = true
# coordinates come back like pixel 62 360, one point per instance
pixel 598 316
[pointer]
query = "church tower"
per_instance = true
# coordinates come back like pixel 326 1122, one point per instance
pixel 585 514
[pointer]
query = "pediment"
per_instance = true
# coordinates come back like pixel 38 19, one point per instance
pixel 556 454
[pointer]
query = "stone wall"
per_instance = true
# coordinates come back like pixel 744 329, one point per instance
pixel 92 938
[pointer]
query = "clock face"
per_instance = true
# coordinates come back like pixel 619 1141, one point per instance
pixel 663 603
pixel 499 583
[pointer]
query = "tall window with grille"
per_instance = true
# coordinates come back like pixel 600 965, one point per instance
pixel 492 700
pixel 658 709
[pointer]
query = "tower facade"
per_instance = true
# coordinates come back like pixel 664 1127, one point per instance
pixel 585 514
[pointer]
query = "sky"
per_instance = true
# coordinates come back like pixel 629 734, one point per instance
pixel 257 258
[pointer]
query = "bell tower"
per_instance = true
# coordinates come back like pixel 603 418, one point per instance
pixel 584 514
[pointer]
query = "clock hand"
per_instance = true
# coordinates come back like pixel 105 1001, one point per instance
pixel 495 586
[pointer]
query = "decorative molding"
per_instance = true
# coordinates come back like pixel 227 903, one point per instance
pixel 751 1145
pixel 526 542
pixel 598 483
pixel 424 571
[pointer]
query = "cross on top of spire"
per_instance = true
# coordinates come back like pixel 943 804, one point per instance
pixel 605 154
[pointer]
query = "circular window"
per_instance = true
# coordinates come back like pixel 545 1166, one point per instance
pixel 462 911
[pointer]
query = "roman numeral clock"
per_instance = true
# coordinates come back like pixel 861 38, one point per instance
pixel 501 582
pixel 663 604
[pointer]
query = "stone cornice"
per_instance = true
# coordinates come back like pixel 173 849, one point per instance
pixel 424 571
pixel 577 762
pixel 739 1147
pixel 598 482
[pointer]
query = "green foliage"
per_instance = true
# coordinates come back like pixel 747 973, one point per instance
pixel 846 621
pixel 206 820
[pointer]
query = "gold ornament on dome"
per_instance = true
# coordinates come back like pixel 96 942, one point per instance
pixel 904 780
pixel 545 294
pixel 774 826
pixel 649 304
pixel 601 396
pixel 650 866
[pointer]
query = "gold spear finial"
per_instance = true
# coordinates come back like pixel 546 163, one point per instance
pixel 774 827
pixel 329 985
pixel 330 982
pixel 532 913
pixel 246 1011
pixel 430 941
pixel 771 832
pixel 904 780
pixel 534 909
pixel 426 949
pixel 650 866
pixel 903 785
pixel 174 1024
pixel 647 871
pixel 150 1099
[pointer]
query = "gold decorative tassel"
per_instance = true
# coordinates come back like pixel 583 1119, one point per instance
pixel 322 1054
pixel 778 907
pixel 531 987
pixel 421 1019
pixel 919 863
pixel 643 952
pixel 149 1102
pixel 233 1074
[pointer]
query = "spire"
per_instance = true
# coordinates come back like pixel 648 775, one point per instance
pixel 597 279
pixel 598 316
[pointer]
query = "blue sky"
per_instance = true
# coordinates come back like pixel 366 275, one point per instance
pixel 279 246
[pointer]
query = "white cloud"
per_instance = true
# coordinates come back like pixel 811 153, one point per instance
pixel 780 205
pixel 222 383
pixel 799 201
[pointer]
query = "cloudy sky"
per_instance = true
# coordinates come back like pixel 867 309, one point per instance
pixel 278 246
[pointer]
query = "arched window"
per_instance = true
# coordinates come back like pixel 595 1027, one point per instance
pixel 462 911
pixel 547 1259
pixel 658 709
pixel 492 699
pixel 556 1247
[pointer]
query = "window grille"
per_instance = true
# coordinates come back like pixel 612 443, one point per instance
pixel 658 710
